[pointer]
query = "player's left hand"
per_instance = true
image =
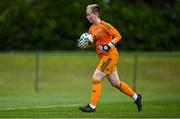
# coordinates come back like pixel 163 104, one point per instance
pixel 105 48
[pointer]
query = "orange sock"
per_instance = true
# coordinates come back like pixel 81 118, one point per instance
pixel 96 91
pixel 123 87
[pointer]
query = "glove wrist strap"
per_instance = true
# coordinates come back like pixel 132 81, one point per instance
pixel 111 45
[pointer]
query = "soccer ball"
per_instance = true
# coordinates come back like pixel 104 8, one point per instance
pixel 85 40
pixel 87 37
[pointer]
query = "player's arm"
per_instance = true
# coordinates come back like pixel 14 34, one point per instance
pixel 115 35
pixel 93 38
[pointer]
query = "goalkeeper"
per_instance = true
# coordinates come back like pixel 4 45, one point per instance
pixel 105 37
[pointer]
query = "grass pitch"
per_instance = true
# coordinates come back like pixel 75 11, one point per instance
pixel 65 84
pixel 168 109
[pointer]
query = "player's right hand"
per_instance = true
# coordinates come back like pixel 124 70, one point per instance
pixel 82 44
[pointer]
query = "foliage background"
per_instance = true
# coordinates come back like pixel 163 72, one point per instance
pixel 57 24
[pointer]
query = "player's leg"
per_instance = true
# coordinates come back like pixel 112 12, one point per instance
pixel 96 91
pixel 100 72
pixel 96 87
pixel 103 68
pixel 123 87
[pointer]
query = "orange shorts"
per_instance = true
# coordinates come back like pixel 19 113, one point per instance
pixel 107 64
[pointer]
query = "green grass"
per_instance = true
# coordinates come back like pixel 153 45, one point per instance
pixel 65 84
pixel 108 110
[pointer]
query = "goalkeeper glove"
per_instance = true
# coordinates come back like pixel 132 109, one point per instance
pixel 105 48
pixel 83 43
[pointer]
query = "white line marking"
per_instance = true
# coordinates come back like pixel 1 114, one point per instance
pixel 57 106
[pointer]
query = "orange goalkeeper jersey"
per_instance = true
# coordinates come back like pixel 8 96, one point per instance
pixel 103 33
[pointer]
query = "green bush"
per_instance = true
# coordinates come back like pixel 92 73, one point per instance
pixel 56 25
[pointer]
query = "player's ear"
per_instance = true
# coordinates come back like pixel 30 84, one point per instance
pixel 96 14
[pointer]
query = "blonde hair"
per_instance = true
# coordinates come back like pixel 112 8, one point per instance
pixel 94 8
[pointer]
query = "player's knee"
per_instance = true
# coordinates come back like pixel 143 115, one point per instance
pixel 98 75
pixel 114 84
pixel 96 80
pixel 95 77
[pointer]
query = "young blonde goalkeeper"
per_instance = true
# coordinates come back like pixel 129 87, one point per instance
pixel 105 38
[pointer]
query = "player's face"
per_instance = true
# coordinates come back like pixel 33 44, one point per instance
pixel 91 17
